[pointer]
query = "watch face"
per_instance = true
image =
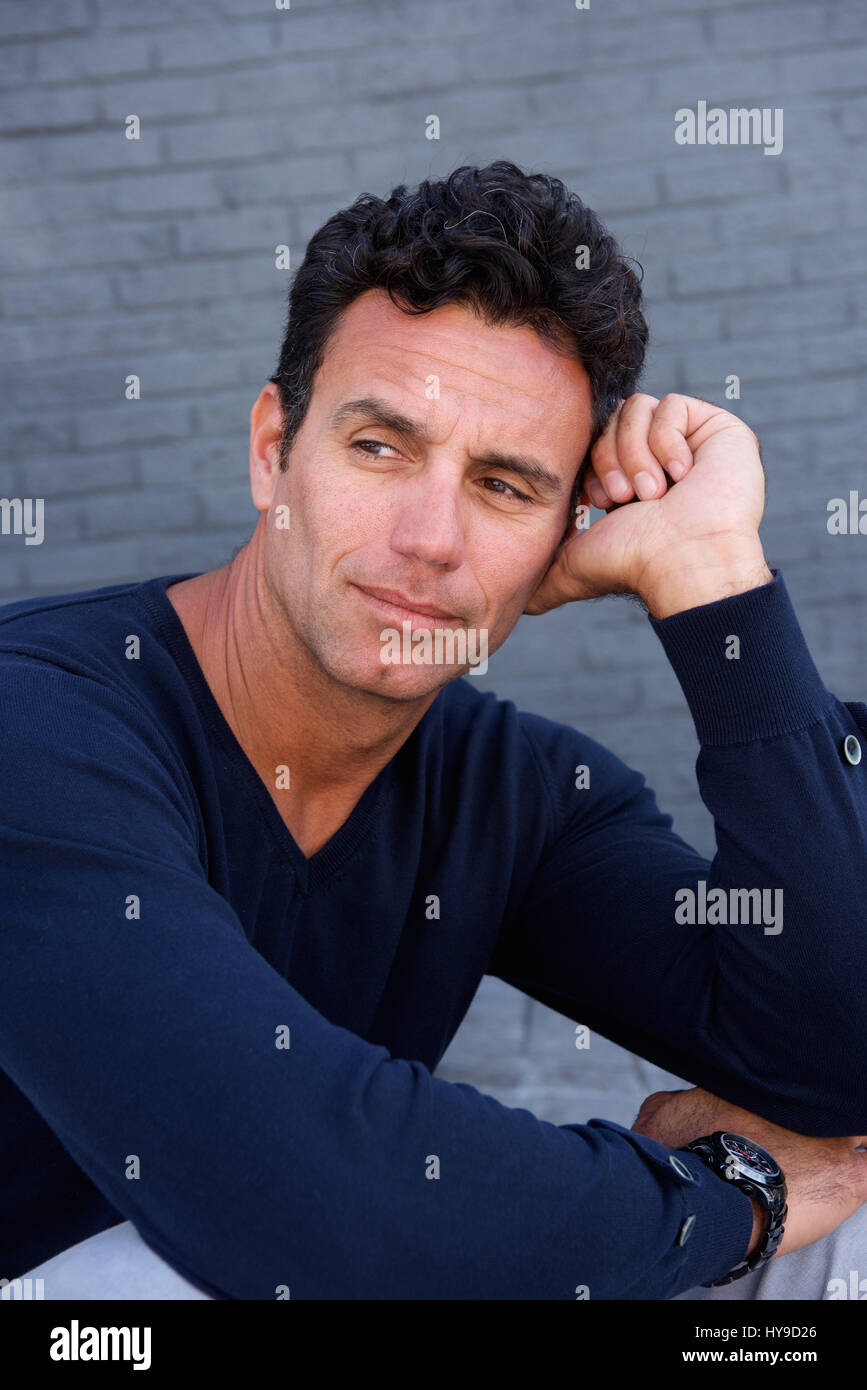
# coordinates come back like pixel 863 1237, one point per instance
pixel 755 1162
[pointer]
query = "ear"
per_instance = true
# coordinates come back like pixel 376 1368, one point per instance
pixel 266 433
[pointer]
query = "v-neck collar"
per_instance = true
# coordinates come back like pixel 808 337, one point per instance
pixel 309 873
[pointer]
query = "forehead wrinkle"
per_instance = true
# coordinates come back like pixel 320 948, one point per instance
pixel 511 393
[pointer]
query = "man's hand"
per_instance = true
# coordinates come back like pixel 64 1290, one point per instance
pixel 826 1178
pixel 676 545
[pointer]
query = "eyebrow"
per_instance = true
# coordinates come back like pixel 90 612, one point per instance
pixel 380 413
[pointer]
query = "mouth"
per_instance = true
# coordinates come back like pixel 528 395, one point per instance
pixel 401 609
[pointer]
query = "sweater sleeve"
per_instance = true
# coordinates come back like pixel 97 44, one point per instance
pixel 254 1145
pixel 744 974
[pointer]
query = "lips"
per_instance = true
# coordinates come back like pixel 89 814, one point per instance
pixel 407 607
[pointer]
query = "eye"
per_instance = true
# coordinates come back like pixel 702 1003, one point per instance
pixel 367 446
pixel 374 444
pixel 510 491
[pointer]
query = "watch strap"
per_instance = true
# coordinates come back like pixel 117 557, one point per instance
pixel 772 1199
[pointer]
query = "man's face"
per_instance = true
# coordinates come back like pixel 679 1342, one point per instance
pixel 391 526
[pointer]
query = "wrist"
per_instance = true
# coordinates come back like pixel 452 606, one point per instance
pixel 716 570
pixel 760 1224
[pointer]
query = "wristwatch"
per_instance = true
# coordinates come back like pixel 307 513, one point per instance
pixel 751 1168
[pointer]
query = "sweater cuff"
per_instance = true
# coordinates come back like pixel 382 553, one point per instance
pixel 771 687
pixel 716 1220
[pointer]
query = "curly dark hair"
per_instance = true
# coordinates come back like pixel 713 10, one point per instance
pixel 498 240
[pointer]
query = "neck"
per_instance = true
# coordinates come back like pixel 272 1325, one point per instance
pixel 279 702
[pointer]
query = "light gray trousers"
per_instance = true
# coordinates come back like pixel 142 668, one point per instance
pixel 118 1264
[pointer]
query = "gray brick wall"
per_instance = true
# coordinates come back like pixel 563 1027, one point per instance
pixel 157 257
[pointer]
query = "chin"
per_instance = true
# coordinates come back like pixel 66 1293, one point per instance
pixel 393 682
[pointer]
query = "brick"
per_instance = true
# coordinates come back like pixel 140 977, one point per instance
pixel 777 218
pixel 133 422
pixel 789 309
pixel 88 245
pixel 750 359
pixel 190 46
pixel 226 506
pixel 751 267
pixel 156 99
pixel 855 206
pixel 82 381
pixel 95 56
pixel 226 412
pixel 50 568
pixel 21 340
pixel 847 267
pixel 225 139
pixel 741 81
pixel 256 318
pixel 771 29
pixel 790 402
pixel 186 554
pixel 294 82
pixel 845 20
pixel 179 282
pixel 157 14
pixel 136 194
pixel 652 234
pixel 853 123
pixel 11 571
pixel 210 459
pixel 63 522
pixel 691 177
pixel 282 180
pixel 69 473
pixel 470 109
pixel 679 321
pixel 17 64
pixel 160 375
pixel 34 109
pixel 19 21
pixel 832 69
pixel 615 193
pixel 84 152
pixel 243 228
pixel 844 351
pixel 49 431
pixel 55 294
pixel 137 513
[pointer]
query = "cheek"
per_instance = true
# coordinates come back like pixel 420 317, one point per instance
pixel 518 560
pixel 320 512
pixel 508 576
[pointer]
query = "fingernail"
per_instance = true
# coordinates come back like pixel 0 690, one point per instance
pixel 617 485
pixel 645 486
pixel 675 469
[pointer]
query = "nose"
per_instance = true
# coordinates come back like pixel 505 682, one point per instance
pixel 429 526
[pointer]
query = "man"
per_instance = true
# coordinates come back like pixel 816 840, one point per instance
pixel 259 845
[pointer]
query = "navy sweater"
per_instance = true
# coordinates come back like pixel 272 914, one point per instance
pixel 233 1047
